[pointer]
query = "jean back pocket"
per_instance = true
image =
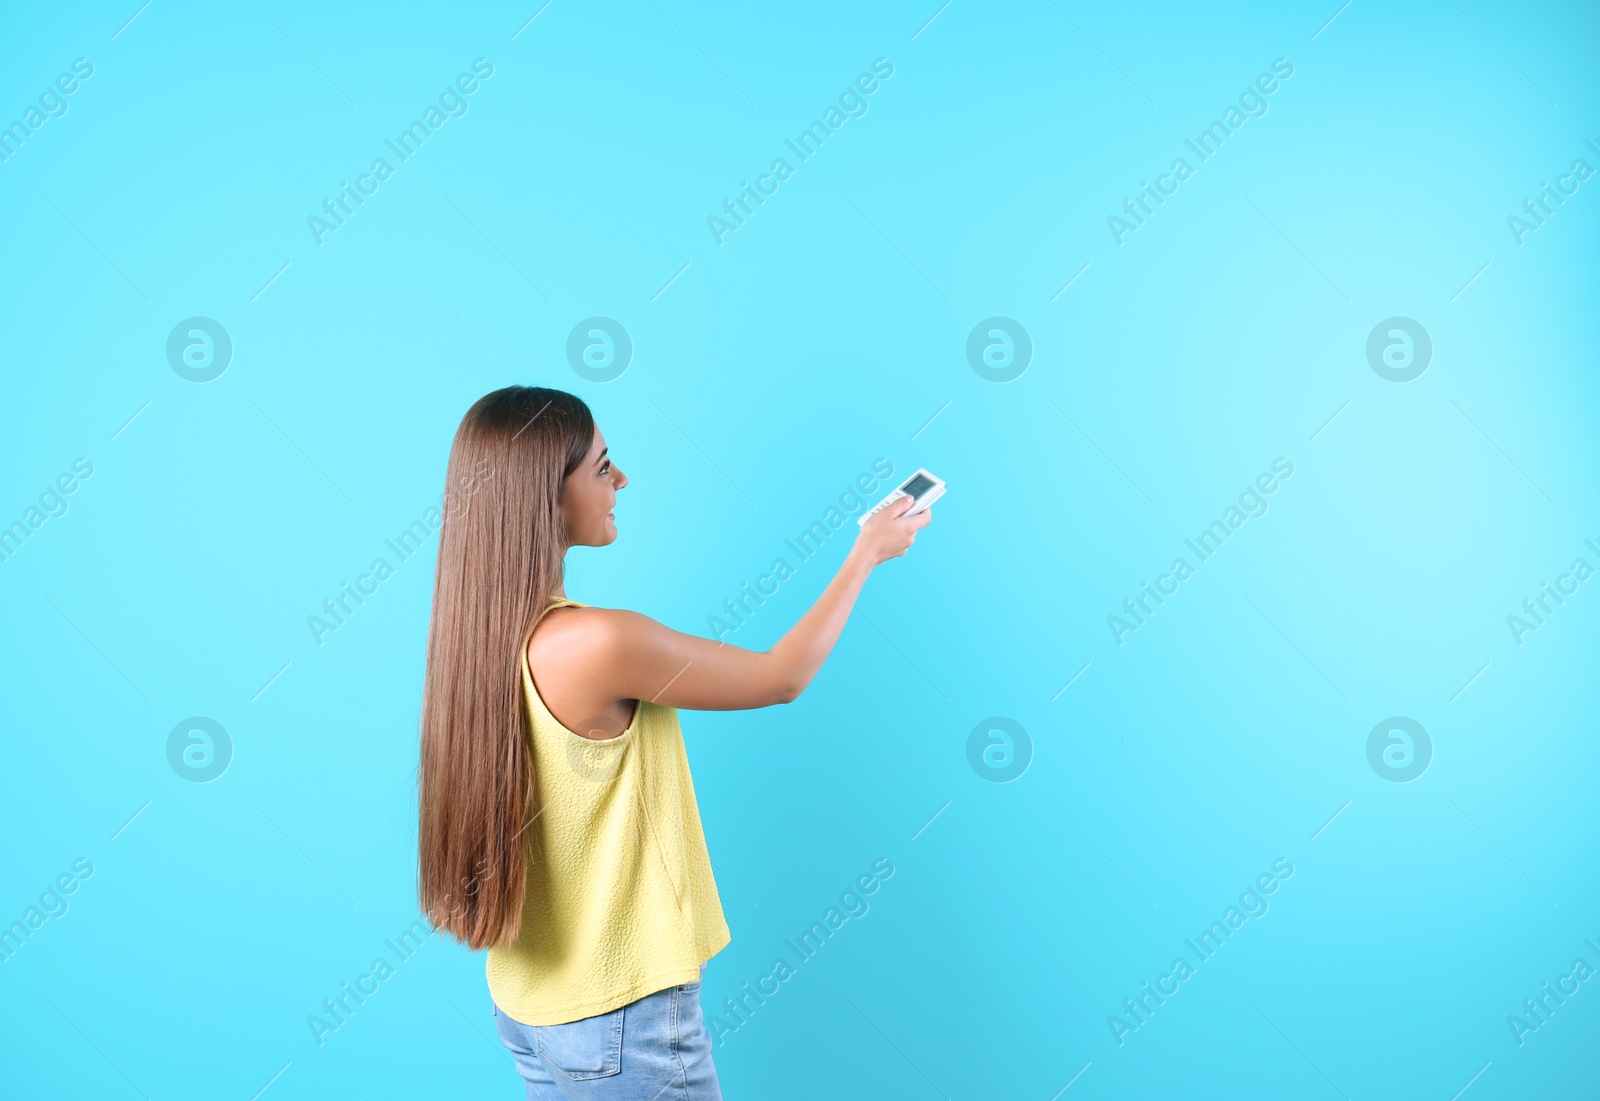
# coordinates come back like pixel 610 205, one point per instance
pixel 590 1048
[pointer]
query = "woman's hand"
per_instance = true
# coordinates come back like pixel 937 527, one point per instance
pixel 890 533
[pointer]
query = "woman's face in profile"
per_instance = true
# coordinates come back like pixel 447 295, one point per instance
pixel 588 496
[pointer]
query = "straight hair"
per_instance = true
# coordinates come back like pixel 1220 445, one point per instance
pixel 500 560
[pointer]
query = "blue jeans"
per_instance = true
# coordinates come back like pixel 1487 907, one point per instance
pixel 653 1049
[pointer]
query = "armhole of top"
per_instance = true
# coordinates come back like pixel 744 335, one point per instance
pixel 638 705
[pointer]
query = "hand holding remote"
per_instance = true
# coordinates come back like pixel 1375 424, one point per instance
pixel 890 532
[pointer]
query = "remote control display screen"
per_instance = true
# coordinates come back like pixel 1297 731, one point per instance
pixel 917 486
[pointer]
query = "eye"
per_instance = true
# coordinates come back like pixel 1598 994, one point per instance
pixel 605 467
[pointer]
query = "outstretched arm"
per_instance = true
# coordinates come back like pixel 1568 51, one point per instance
pixel 643 659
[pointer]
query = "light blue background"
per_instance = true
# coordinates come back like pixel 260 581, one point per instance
pixel 1226 332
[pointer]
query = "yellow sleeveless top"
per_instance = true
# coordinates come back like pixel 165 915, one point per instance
pixel 620 899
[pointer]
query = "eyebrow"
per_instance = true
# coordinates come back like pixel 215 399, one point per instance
pixel 602 455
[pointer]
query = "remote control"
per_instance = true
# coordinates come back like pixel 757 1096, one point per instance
pixel 923 487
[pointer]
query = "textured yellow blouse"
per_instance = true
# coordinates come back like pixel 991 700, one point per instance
pixel 620 898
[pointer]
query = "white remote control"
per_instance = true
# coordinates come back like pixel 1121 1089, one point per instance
pixel 924 488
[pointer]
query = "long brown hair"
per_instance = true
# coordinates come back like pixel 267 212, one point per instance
pixel 500 559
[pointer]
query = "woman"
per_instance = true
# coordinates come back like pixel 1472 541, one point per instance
pixel 558 823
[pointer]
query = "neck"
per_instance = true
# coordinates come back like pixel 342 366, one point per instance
pixel 561 581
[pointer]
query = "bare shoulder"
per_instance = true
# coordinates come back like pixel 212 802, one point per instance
pixel 560 630
pixel 568 633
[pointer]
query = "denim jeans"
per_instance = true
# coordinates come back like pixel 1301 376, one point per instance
pixel 653 1049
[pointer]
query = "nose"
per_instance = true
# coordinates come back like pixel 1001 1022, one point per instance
pixel 621 478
